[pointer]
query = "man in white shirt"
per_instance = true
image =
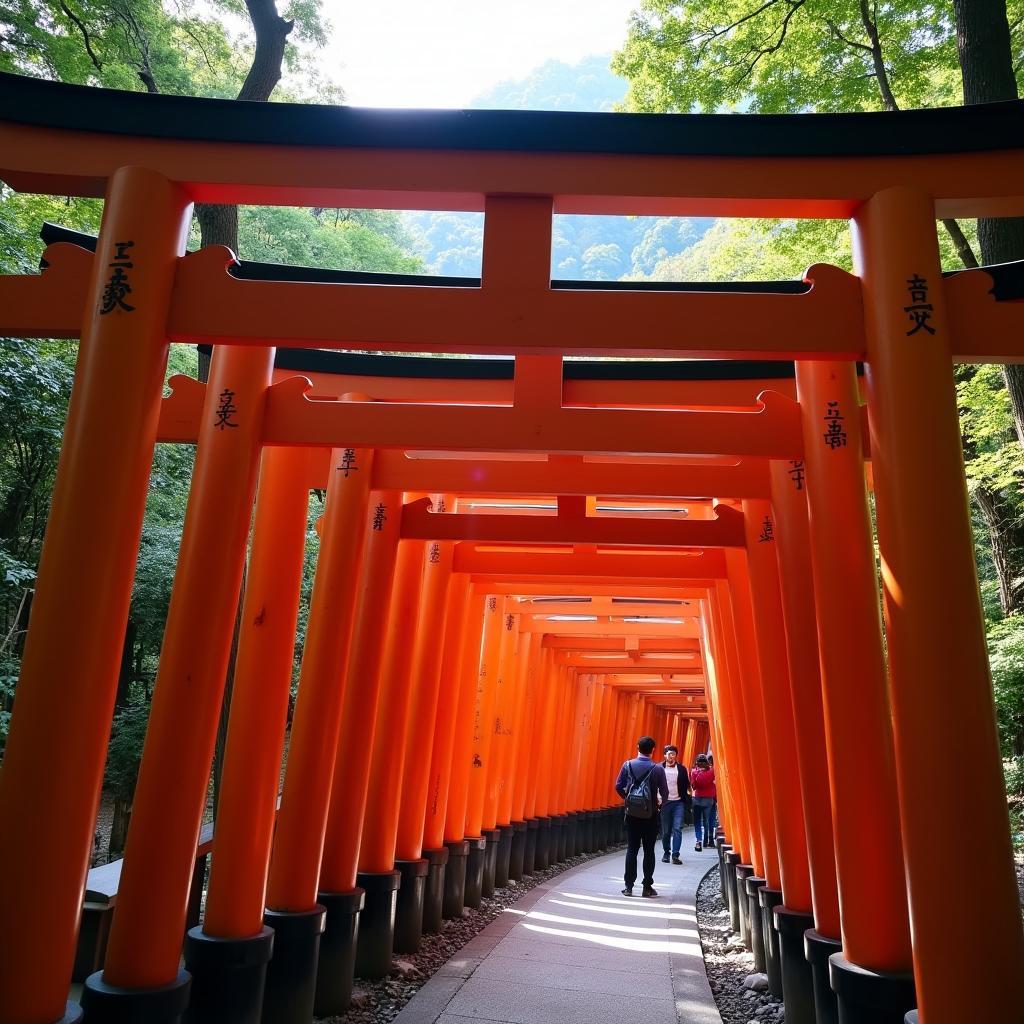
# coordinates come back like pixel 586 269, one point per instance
pixel 672 809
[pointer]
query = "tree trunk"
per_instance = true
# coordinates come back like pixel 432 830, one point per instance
pixel 986 66
pixel 119 826
pixel 124 676
pixel 999 523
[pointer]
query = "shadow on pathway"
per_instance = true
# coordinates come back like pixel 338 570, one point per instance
pixel 576 951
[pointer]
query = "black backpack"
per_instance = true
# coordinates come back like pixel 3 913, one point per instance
pixel 639 798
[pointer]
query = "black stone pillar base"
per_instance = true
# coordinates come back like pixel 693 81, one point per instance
pixel 731 862
pixel 543 856
pixel 797 980
pixel 530 846
pixel 455 879
pixel 769 899
pixel 376 936
pixel 409 906
pixel 93 932
pixel 557 838
pixel 108 1004
pixel 491 837
pixel 228 976
pixel 607 833
pixel 571 821
pixel 337 961
pixel 870 997
pixel 504 856
pixel 618 831
pixel 743 872
pixel 517 851
pixel 587 832
pixel 433 890
pixel 599 831
pixel 757 940
pixel 475 864
pixel 817 949
pixel 291 974
pixel 723 850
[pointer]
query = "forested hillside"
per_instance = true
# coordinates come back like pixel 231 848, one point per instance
pixel 583 248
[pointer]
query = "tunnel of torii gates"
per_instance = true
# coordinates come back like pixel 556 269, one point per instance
pixel 524 563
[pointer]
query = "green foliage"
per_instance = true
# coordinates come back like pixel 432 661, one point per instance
pixel 186 48
pixel 1006 657
pixel 340 239
pixel 779 56
pixel 767 250
pixel 125 751
pixel 993 453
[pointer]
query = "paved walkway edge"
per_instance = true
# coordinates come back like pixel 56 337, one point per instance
pixel 691 991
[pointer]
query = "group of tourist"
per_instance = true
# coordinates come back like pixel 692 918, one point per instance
pixel 656 795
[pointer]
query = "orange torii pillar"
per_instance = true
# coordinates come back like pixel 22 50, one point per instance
pixel 553 684
pixel 569 737
pixel 456 826
pixel 556 807
pixel 141 969
pixel 858 726
pixel 227 957
pixel 378 875
pixel 53 763
pixel 483 848
pixel 732 753
pixel 510 758
pixel 292 908
pixel 419 903
pixel 789 500
pixel 495 725
pixel 601 764
pixel 689 751
pixel 794 916
pixel 463 616
pixel 585 756
pixel 934 622
pixel 744 845
pixel 753 699
pixel 529 658
pixel 340 883
pixel 530 768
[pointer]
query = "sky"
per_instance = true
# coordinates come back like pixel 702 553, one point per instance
pixel 443 53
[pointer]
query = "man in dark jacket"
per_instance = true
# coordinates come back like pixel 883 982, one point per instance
pixel 642 831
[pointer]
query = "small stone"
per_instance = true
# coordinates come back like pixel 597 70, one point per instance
pixel 403 969
pixel 359 999
pixel 756 982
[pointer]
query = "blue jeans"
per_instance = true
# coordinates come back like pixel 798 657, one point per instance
pixel 672 825
pixel 703 808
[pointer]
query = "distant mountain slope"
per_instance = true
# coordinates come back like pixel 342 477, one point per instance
pixel 587 248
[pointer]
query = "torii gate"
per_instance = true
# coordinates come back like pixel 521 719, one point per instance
pixel 799 483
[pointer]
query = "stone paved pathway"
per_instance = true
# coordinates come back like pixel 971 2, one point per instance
pixel 575 951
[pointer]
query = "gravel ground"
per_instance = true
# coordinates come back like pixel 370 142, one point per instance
pixel 376 1002
pixel 728 962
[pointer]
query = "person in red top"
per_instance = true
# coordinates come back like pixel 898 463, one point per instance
pixel 702 782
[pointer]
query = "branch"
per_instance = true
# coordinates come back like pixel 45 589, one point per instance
pixel 960 243
pixel 881 74
pixel 198 43
pixel 794 6
pixel 85 35
pixel 710 35
pixel 834 29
